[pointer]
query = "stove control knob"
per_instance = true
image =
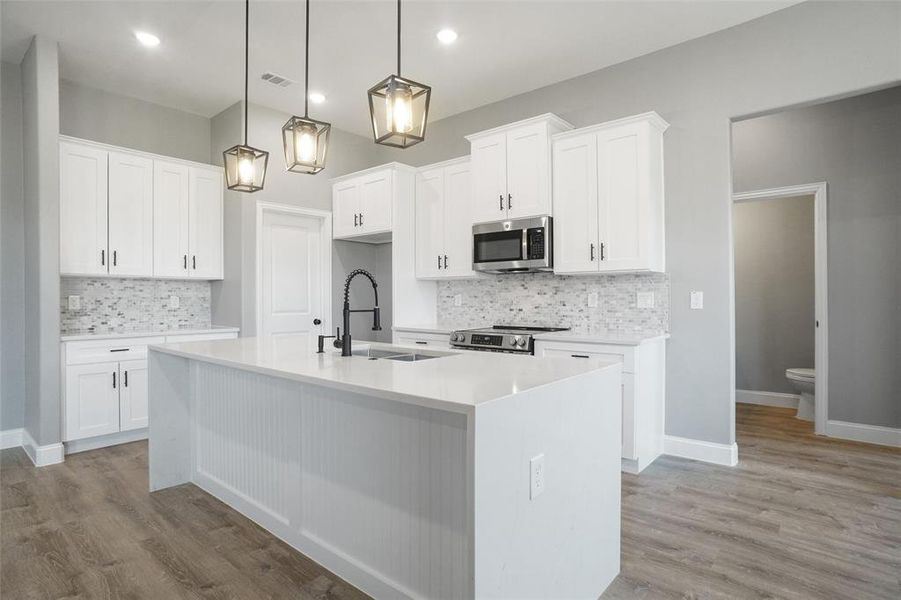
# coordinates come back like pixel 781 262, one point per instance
pixel 457 337
pixel 517 341
pixel 521 341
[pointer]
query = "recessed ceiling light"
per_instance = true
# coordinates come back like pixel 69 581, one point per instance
pixel 446 36
pixel 317 98
pixel 147 39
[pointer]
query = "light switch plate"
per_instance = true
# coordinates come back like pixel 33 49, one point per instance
pixel 593 300
pixel 645 299
pixel 74 302
pixel 174 301
pixel 458 300
pixel 697 300
pixel 536 476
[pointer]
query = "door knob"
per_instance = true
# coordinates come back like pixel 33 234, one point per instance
pixel 317 321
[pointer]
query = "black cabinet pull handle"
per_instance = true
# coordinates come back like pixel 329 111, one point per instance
pixel 103 257
pixel 509 201
pixel 579 355
pixel 120 350
pixel 186 262
pixel 439 261
pixel 501 202
pixel 361 219
pixel 422 343
pixel 355 220
pixel 592 251
pixel 114 380
pixel 114 258
pixel 194 262
pixel 445 261
pixel 602 250
pixel 126 378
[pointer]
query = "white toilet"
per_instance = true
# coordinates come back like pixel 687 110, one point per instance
pixel 804 381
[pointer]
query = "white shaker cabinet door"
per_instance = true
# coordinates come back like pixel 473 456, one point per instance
pixel 623 197
pixel 457 219
pixel 528 177
pixel 489 178
pixel 375 202
pixel 133 409
pixel 205 219
pixel 130 214
pixel 429 217
pixel 346 209
pixel 82 210
pixel 576 205
pixel 92 400
pixel 171 229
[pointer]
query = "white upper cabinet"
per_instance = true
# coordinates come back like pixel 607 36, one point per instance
pixel 130 215
pixel 82 209
pixel 206 223
pixel 608 197
pixel 511 169
pixel 171 228
pixel 443 221
pixel 362 204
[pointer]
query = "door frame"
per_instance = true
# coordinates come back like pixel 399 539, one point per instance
pixel 325 256
pixel 821 285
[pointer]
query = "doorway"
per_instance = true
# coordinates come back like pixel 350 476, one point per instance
pixel 820 313
pixel 294 260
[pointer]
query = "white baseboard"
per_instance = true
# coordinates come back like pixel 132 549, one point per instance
pixel 718 454
pixel 41 456
pixel 871 434
pixel 10 438
pixel 779 399
pixel 102 441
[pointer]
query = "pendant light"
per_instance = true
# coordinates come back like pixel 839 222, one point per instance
pixel 245 166
pixel 306 139
pixel 399 107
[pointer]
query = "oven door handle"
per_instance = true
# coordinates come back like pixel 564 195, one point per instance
pixel 525 244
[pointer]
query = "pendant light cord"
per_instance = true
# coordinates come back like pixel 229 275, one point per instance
pixel 398 38
pixel 246 60
pixel 306 67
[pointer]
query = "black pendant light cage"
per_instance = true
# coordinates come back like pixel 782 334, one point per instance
pixel 245 166
pixel 399 107
pixel 306 140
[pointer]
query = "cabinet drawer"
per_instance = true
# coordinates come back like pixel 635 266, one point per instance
pixel 200 337
pixel 87 352
pixel 623 354
pixel 434 340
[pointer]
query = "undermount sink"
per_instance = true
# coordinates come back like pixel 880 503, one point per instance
pixel 399 354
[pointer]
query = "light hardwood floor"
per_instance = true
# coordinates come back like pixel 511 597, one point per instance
pixel 800 517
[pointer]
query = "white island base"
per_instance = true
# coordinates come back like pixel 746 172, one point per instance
pixel 409 480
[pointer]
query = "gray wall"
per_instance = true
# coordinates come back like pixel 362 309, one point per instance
pixel 802 54
pixel 12 249
pixel 40 117
pixel 102 116
pixel 854 145
pixel 774 291
pixel 234 299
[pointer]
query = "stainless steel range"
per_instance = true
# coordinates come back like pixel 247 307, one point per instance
pixel 500 338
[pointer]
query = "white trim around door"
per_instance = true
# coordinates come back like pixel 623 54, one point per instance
pixel 325 257
pixel 821 353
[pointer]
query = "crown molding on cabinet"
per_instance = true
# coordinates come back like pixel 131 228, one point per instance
pixel 391 165
pixel 650 117
pixel 548 118
pixel 150 155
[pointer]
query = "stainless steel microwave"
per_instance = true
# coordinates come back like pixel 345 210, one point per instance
pixel 515 246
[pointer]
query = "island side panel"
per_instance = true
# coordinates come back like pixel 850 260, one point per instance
pixel 169 409
pixel 564 543
pixel 374 490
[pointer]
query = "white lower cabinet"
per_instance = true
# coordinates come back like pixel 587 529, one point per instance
pixel 429 340
pixel 105 384
pixel 642 387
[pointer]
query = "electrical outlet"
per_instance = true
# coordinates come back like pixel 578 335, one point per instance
pixel 458 300
pixel 593 300
pixel 174 302
pixel 697 300
pixel 74 302
pixel 645 299
pixel 536 476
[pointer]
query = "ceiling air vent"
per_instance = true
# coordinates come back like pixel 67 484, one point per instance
pixel 276 79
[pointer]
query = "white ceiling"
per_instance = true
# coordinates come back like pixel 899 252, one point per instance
pixel 504 47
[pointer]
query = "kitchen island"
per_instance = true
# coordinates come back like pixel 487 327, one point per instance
pixel 411 474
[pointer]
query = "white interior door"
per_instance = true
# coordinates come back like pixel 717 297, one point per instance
pixel 171 230
pixel 82 210
pixel 206 222
pixel 92 400
pixel 457 221
pixel 130 214
pixel 576 205
pixel 429 222
pixel 292 277
pixel 133 409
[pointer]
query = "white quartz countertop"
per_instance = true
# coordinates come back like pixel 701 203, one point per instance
pixel 455 381
pixel 584 337
pixel 124 333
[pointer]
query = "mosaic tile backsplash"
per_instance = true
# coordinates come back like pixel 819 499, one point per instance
pixel 133 305
pixel 558 301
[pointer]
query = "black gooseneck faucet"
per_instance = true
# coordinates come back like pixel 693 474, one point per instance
pixel 345 342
